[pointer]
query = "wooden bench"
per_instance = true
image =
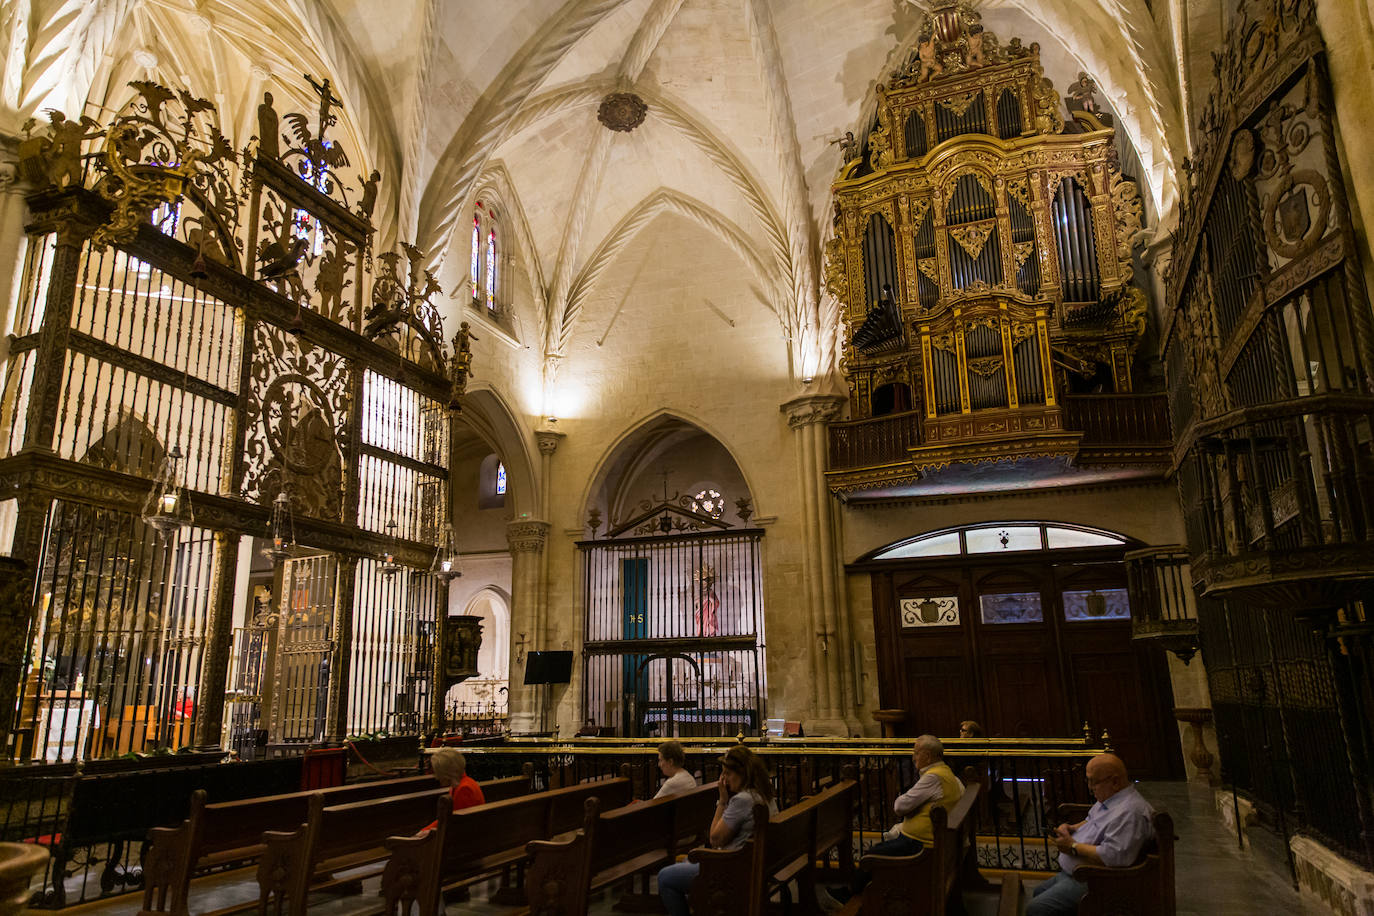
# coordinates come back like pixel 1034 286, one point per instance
pixel 786 846
pixel 484 840
pixel 927 881
pixel 231 832
pixel 613 845
pixel 1143 889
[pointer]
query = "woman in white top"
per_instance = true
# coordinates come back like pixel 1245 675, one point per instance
pixel 744 783
pixel 672 762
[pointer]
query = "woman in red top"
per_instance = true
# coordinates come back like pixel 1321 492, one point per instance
pixel 450 768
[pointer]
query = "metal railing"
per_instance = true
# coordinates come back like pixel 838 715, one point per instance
pixel 1024 780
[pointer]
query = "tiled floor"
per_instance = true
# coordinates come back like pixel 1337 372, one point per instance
pixel 1214 877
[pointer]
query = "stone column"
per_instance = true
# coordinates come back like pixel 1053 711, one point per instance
pixel 219 643
pixel 830 653
pixel 336 729
pixel 526 539
pixel 549 440
pixel 14 212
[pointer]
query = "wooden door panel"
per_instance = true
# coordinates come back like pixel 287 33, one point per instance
pixel 1109 693
pixel 1023 700
pixel 940 694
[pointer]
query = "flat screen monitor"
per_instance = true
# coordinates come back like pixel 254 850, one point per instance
pixel 548 667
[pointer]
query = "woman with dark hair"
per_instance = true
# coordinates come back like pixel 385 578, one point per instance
pixel 744 783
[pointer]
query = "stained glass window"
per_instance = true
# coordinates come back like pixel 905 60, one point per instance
pixel 1097 604
pixel 934 611
pixel 709 502
pixel 476 252
pixel 1017 607
pixel 491 269
pixel 1003 538
pixel 500 480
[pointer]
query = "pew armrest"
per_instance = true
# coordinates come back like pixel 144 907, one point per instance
pixel 1010 902
pixel 725 882
pixel 559 873
pixel 411 876
pixel 167 870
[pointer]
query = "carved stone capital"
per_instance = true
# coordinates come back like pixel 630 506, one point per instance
pixel 527 536
pixel 812 408
pixel 549 440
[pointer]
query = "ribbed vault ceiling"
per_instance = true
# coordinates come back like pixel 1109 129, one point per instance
pixel 447 96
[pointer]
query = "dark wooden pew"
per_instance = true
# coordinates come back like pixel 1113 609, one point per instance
pixel 231 832
pixel 478 842
pixel 613 845
pixel 787 846
pixel 1143 889
pixel 926 882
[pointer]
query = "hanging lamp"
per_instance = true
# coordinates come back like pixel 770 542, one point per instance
pixel 167 507
pixel 447 564
pixel 386 561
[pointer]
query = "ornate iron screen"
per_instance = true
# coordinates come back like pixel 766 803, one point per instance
pixel 190 312
pixel 673 643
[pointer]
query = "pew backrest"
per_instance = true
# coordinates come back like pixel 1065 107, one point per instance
pixel 924 882
pixel 785 846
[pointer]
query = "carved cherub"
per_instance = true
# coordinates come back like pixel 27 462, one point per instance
pixel 975 49
pixel 930 64
pixel 1082 94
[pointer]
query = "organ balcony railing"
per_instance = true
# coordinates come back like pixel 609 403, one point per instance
pixel 1277 501
pixel 1100 429
pixel 1163 605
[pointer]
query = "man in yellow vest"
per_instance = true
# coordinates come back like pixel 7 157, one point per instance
pixel 935 786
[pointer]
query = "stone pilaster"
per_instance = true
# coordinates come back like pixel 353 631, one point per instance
pixel 526 539
pixel 337 728
pixel 219 643
pixel 831 700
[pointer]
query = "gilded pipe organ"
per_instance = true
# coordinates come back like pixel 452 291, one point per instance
pixel 981 256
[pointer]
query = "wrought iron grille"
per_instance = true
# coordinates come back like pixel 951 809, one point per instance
pixel 1278 723
pixel 674 634
pixel 392 663
pixel 117 647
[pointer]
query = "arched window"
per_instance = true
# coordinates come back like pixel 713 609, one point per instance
pixel 491 269
pixel 484 268
pixel 491 483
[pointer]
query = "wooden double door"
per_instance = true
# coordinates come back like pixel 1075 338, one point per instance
pixel 1027 648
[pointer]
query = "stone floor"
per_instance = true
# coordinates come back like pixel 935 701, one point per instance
pixel 1214 877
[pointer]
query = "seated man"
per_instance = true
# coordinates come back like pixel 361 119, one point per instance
pixel 936 786
pixel 1113 834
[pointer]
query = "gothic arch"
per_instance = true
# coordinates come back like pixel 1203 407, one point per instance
pixel 486 413
pixel 638 432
